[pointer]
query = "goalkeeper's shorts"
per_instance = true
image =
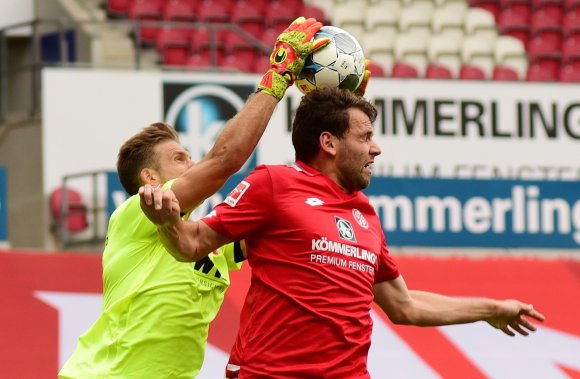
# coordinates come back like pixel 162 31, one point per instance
pixel 232 371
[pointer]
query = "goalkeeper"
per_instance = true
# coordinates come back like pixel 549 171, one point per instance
pixel 156 310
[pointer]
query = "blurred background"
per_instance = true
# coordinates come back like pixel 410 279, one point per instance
pixel 477 188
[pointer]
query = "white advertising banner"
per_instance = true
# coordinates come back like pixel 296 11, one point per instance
pixel 425 128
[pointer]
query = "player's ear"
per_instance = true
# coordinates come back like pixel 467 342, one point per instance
pixel 149 176
pixel 327 143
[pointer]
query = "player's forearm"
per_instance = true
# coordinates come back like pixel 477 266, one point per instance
pixel 242 133
pixel 431 309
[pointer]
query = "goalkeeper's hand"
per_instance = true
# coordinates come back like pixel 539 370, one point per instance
pixel 290 51
pixel 360 91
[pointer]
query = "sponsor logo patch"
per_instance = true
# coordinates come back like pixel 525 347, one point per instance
pixel 313 201
pixel 345 230
pixel 237 193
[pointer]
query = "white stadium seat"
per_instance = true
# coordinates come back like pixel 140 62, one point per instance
pixel 412 50
pixel 479 52
pixel 383 17
pixel 445 51
pixel 510 52
pixel 380 50
pixel 448 22
pixel 415 20
pixel 480 22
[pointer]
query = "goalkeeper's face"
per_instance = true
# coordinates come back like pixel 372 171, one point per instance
pixel 172 159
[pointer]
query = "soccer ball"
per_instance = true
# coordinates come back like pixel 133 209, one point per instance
pixel 341 63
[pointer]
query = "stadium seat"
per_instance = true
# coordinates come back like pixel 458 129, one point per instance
pixel 242 48
pixel 571 5
pixel 118 8
pixel 571 24
pixel 481 23
pixel 146 11
pixel 380 49
pixel 502 73
pixel 468 72
pixel 261 64
pixel 425 6
pixel 249 17
pixel 203 62
pixel 522 7
pixel 415 20
pixel 571 51
pixel 382 18
pixel 173 43
pixel 278 15
pixel 492 6
pixel 515 24
pixel 206 44
pixel 546 24
pixel 411 50
pixel 435 71
pixel 310 10
pixel 404 70
pixel 179 10
pixel 478 52
pixel 376 70
pixel 444 51
pixel 459 6
pixel 448 22
pixel 542 48
pixel 569 74
pixel 510 55
pixel 67 207
pixel 350 17
pixel 543 73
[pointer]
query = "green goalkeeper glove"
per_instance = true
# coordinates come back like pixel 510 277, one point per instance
pixel 290 51
pixel 360 91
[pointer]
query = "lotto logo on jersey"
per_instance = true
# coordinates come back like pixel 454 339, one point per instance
pixel 237 193
pixel 345 230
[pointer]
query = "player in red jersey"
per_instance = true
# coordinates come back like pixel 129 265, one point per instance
pixel 318 254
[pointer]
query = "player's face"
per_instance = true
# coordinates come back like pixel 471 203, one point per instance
pixel 356 152
pixel 173 161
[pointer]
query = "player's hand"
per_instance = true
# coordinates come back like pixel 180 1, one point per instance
pixel 290 51
pixel 512 316
pixel 360 91
pixel 160 206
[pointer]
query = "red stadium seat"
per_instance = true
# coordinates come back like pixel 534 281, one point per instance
pixel 544 47
pixel 571 50
pixel 205 44
pixel 118 8
pixel 179 10
pixel 249 17
pixel 376 70
pixel 67 207
pixel 505 74
pixel 435 71
pixel 514 24
pixel 261 64
pixel 144 11
pixel 471 73
pixel 310 10
pixel 543 73
pixel 571 5
pixel 240 47
pixel 570 74
pixel 174 45
pixel 279 15
pixel 571 24
pixel 402 70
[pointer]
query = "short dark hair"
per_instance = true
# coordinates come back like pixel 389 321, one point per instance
pixel 138 152
pixel 324 110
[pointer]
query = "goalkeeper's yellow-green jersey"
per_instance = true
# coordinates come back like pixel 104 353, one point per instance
pixel 156 310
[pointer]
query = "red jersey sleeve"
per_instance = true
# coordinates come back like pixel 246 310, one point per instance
pixel 388 269
pixel 247 208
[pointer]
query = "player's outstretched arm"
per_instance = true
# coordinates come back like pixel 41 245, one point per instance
pixel 186 240
pixel 242 133
pixel 423 308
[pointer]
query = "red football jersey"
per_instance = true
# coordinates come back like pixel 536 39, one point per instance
pixel 315 254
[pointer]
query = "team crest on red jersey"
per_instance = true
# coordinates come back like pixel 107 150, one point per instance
pixel 237 193
pixel 359 218
pixel 345 230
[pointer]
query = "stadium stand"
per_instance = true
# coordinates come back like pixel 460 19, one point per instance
pixel 453 39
